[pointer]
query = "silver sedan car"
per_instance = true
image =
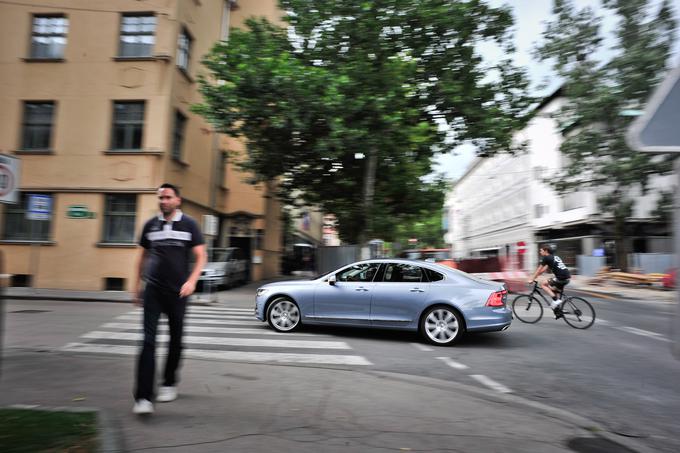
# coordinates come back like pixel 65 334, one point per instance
pixel 440 302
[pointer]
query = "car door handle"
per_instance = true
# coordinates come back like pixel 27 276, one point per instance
pixel 417 290
pixel 361 289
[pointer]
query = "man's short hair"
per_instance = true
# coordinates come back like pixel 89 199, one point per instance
pixel 167 185
pixel 548 248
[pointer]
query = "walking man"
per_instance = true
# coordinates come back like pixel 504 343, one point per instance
pixel 168 241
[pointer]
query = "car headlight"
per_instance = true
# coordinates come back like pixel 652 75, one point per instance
pixel 261 291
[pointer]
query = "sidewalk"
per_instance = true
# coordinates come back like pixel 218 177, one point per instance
pixel 240 407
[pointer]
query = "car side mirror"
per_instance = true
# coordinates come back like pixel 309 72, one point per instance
pixel 332 280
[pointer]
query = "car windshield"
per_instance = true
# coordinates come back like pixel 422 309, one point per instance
pixel 221 255
pixel 316 277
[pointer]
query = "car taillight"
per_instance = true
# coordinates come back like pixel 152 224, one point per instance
pixel 496 299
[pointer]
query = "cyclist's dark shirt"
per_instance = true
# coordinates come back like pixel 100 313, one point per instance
pixel 557 266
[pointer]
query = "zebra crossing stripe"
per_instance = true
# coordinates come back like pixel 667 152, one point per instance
pixel 234 356
pixel 188 328
pixel 218 341
pixel 192 321
pixel 211 309
pixel 197 316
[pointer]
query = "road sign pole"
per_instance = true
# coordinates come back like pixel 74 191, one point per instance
pixel 676 247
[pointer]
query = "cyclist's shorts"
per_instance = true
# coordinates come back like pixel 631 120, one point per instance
pixel 557 283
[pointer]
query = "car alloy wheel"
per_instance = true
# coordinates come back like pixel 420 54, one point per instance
pixel 283 315
pixel 441 326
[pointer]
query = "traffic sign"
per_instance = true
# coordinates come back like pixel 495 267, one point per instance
pixel 10 167
pixel 658 129
pixel 39 207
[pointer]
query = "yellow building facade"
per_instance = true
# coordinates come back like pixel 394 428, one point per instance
pixel 96 100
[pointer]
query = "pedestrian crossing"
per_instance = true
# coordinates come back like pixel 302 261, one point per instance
pixel 219 333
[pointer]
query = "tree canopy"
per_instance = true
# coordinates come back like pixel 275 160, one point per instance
pixel 599 93
pixel 348 105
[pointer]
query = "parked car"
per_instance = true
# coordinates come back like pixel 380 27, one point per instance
pixel 439 302
pixel 225 267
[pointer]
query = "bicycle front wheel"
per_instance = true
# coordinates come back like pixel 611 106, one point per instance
pixel 578 313
pixel 527 309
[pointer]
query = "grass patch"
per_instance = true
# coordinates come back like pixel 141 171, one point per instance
pixel 39 431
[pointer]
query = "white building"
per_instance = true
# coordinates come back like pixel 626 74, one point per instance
pixel 502 205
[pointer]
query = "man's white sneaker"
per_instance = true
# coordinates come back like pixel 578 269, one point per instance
pixel 142 407
pixel 556 304
pixel 166 394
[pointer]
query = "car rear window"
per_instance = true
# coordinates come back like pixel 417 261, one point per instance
pixel 433 276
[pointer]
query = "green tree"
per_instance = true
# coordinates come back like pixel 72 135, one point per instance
pixel 347 107
pixel 597 93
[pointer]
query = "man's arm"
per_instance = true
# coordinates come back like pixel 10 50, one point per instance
pixel 541 268
pixel 189 286
pixel 137 286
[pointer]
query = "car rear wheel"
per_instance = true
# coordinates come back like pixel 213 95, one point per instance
pixel 441 326
pixel 283 315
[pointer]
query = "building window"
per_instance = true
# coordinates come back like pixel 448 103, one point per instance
pixel 137 35
pixel 128 124
pixel 19 226
pixel 37 125
pixel 184 49
pixel 178 135
pixel 48 38
pixel 119 218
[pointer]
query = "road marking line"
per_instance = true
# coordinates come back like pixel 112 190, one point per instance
pixel 199 308
pixel 603 322
pixel 202 329
pixel 644 333
pixel 189 321
pixel 242 356
pixel 199 316
pixel 453 363
pixel 493 385
pixel 422 347
pixel 252 342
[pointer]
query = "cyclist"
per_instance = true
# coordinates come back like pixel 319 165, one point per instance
pixel 562 275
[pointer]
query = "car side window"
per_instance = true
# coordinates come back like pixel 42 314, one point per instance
pixel 433 276
pixel 403 273
pixel 358 273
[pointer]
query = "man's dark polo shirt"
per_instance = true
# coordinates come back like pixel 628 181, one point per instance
pixel 169 247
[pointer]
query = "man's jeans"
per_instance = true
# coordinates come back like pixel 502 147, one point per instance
pixel 156 301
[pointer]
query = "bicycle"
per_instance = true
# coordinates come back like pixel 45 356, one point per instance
pixel 576 311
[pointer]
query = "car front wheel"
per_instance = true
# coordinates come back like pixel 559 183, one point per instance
pixel 283 315
pixel 441 326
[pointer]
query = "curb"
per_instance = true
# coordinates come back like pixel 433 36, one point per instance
pixel 109 434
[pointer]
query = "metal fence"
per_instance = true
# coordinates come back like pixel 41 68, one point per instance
pixel 590 265
pixel 329 258
pixel 651 263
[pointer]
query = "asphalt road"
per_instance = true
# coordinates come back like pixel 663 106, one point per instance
pixel 619 373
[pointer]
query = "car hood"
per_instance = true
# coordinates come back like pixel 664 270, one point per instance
pixel 215 266
pixel 288 283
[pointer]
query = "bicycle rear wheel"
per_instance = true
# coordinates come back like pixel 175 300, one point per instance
pixel 578 313
pixel 527 309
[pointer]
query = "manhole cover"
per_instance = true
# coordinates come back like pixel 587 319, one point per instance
pixel 30 311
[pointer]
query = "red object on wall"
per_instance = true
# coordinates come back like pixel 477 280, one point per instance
pixel 521 247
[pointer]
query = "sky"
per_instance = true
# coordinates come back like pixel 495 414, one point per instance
pixel 530 16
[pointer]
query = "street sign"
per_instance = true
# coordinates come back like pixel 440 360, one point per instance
pixel 39 207
pixel 78 211
pixel 658 129
pixel 10 167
